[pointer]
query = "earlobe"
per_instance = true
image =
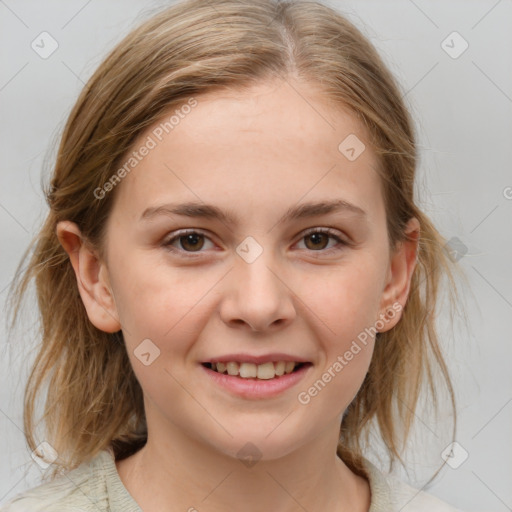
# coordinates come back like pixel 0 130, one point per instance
pixel 92 278
pixel 402 264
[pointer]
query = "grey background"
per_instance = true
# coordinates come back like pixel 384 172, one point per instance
pixel 463 111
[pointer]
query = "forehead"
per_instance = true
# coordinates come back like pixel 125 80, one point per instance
pixel 259 148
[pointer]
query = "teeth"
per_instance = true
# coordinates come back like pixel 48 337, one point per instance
pixel 290 365
pixel 248 370
pixel 263 371
pixel 280 368
pixel 232 368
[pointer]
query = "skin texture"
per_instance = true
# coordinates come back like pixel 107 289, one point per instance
pixel 254 154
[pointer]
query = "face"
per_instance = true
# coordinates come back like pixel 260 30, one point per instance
pixel 282 249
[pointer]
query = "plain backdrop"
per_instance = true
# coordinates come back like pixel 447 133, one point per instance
pixel 453 62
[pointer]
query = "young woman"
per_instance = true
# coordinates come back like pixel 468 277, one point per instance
pixel 234 279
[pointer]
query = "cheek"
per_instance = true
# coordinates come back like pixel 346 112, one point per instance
pixel 162 311
pixel 347 343
pixel 347 304
pixel 347 300
pixel 155 300
pixel 170 308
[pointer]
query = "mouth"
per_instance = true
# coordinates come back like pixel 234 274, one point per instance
pixel 251 381
pixel 265 371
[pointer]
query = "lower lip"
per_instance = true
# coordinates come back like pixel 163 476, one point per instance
pixel 257 388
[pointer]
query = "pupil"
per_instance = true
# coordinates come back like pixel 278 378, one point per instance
pixel 192 239
pixel 317 240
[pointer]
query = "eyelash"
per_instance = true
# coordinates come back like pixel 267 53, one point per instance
pixel 194 254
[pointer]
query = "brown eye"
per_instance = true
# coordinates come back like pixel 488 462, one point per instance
pixel 323 240
pixel 318 240
pixel 192 242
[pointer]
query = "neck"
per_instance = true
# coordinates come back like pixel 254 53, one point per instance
pixel 181 473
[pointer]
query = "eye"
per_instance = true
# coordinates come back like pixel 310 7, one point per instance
pixel 187 241
pixel 193 241
pixel 317 239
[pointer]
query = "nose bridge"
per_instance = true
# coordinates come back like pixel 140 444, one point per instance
pixel 257 295
pixel 259 276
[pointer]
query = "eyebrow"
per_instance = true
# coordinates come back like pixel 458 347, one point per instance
pixel 206 211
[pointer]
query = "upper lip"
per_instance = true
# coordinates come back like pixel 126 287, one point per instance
pixel 247 358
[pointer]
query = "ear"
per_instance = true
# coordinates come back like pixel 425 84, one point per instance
pixel 400 271
pixel 92 278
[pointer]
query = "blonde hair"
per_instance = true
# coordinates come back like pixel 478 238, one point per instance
pixel 93 398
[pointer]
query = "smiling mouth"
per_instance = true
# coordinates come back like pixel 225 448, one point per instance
pixel 263 371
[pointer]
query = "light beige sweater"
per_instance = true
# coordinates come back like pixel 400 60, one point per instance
pixel 96 487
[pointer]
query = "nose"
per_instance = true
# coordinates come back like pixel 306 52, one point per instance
pixel 257 296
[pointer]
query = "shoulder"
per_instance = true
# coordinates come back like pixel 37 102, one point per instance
pixel 390 493
pixel 83 489
pixel 409 499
